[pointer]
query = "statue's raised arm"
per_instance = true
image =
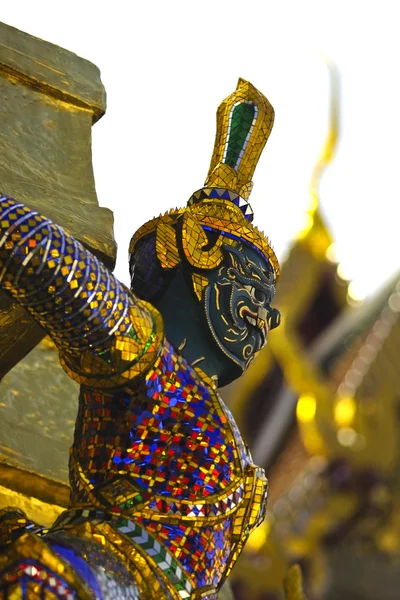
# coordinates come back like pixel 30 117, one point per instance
pixel 104 333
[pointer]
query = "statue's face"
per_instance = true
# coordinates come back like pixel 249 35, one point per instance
pixel 238 304
pixel 222 328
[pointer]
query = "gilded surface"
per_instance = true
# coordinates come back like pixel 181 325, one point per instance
pixel 49 101
pixel 233 164
pixel 38 412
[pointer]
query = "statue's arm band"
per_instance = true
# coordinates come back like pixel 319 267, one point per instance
pixel 71 294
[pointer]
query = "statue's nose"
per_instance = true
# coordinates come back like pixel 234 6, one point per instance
pixel 274 319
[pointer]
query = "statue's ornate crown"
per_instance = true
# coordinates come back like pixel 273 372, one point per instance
pixel 244 122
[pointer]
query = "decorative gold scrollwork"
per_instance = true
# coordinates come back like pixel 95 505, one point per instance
pixel 194 239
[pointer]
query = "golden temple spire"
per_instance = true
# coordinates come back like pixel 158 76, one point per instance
pixel 314 231
pixel 329 148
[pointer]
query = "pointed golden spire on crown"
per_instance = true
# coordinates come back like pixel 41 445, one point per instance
pixel 244 123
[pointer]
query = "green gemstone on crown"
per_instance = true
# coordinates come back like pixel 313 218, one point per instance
pixel 241 123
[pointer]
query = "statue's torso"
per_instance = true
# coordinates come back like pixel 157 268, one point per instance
pixel 165 452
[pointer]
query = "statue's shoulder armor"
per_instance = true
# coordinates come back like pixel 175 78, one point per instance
pixel 30 569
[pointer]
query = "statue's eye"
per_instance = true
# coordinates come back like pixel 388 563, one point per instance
pixel 260 296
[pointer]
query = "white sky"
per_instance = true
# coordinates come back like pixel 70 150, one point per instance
pixel 167 65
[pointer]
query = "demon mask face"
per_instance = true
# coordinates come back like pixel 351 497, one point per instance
pixel 213 288
pixel 237 303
